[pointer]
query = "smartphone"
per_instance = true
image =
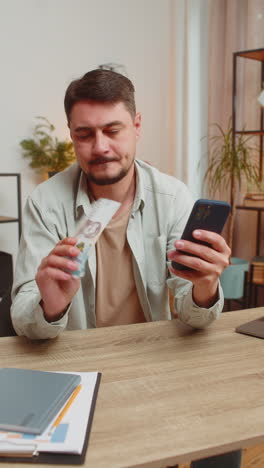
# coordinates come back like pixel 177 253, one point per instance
pixel 209 215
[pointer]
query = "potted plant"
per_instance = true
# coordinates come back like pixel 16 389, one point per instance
pixel 230 163
pixel 46 152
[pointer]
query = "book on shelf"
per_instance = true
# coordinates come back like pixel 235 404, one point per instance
pixel 65 438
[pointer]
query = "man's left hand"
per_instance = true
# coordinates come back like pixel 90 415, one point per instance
pixel 206 266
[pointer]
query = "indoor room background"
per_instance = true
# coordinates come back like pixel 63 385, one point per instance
pixel 178 54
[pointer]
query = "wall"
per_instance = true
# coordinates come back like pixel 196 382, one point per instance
pixel 189 91
pixel 44 45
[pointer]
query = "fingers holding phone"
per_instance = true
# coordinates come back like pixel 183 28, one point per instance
pixel 206 215
pixel 210 256
pixel 202 254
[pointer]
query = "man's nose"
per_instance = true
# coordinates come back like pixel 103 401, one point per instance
pixel 100 143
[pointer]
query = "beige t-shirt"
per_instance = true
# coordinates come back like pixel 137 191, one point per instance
pixel 117 300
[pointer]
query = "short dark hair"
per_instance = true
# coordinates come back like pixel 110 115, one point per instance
pixel 102 86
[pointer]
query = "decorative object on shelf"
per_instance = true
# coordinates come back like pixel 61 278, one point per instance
pixel 254 199
pixel 46 152
pixel 117 67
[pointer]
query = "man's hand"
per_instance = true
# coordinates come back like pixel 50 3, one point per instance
pixel 207 266
pixel 57 287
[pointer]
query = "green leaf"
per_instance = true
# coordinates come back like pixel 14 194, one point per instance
pixel 230 161
pixel 45 150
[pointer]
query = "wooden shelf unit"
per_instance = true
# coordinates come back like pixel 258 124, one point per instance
pixel 257 54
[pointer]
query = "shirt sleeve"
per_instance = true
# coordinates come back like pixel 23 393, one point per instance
pixel 189 312
pixel 186 310
pixel 38 239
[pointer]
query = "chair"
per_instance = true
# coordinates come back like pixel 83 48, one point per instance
pixel 6 281
pixel 233 281
pixel 256 279
pixel 6 326
pixel 6 272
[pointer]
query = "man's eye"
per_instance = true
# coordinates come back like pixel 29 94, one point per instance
pixel 112 131
pixel 84 137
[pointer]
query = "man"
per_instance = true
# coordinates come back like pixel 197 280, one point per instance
pixel 128 272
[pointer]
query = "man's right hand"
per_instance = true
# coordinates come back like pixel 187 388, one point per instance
pixel 57 287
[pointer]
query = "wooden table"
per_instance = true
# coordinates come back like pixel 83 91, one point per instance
pixel 168 393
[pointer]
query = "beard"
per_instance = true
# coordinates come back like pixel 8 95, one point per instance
pixel 108 180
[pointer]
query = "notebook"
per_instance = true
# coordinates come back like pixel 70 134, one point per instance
pixel 65 439
pixel 29 399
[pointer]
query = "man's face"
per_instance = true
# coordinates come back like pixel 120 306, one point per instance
pixel 104 137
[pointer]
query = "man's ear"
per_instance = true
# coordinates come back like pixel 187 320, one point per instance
pixel 137 123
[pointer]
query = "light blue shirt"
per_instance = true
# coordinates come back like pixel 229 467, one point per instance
pixel 160 210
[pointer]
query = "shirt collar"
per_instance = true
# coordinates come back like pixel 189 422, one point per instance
pixel 139 200
pixel 82 199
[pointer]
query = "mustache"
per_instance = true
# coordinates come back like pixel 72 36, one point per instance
pixel 101 160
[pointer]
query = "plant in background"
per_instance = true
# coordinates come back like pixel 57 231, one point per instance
pixel 46 152
pixel 230 162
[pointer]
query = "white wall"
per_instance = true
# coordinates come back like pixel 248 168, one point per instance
pixel 44 45
pixel 190 91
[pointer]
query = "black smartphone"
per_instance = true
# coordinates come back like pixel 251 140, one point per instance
pixel 209 215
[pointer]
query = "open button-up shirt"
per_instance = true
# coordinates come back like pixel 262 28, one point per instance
pixel 160 210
